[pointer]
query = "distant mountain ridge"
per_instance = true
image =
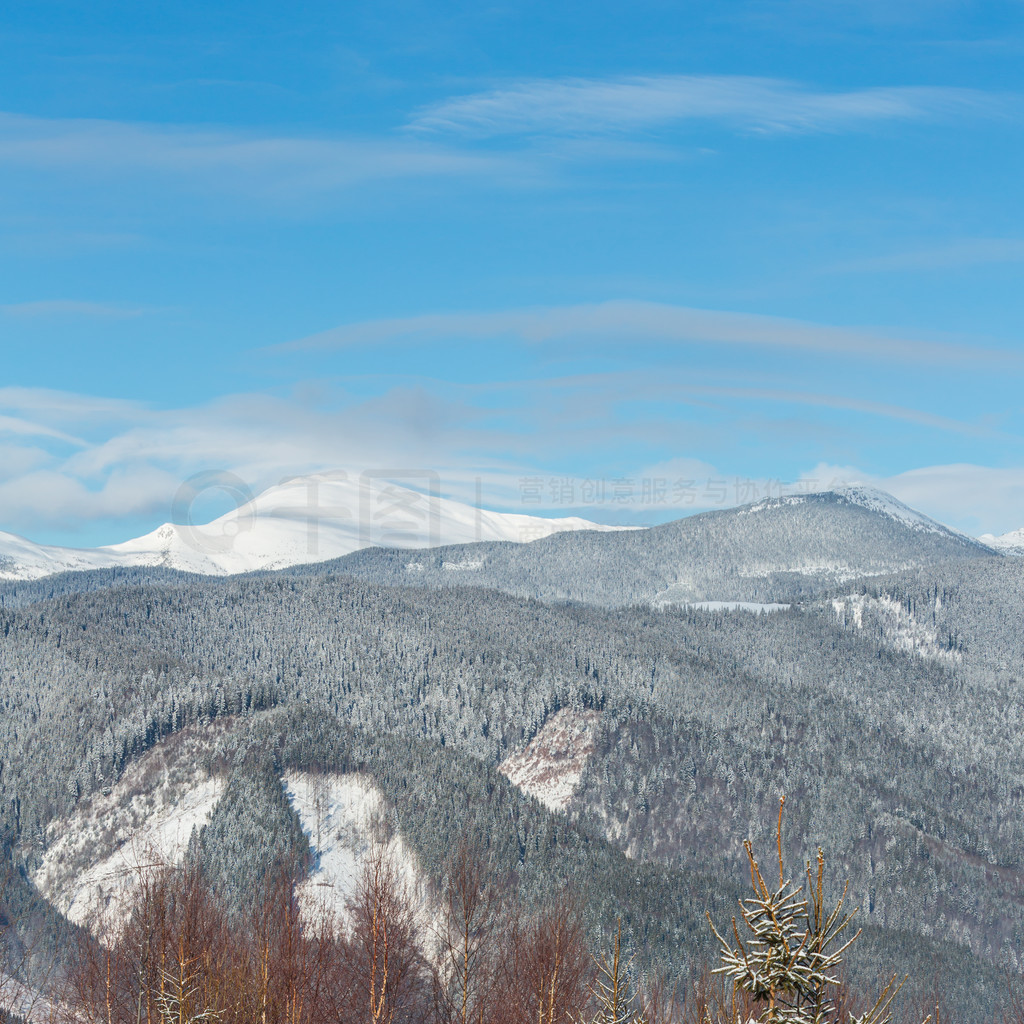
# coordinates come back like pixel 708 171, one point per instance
pixel 780 549
pixel 306 519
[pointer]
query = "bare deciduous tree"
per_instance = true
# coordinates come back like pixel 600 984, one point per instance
pixel 545 968
pixel 467 931
pixel 384 955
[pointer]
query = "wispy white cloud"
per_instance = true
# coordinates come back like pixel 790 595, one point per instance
pixel 46 405
pixel 443 142
pixel 137 457
pixel 955 255
pixel 587 105
pixel 134 458
pixel 16 426
pixel 588 398
pixel 51 496
pixel 45 308
pixel 231 159
pixel 18 458
pixel 884 410
pixel 616 322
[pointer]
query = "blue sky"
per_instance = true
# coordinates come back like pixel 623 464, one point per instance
pixel 749 243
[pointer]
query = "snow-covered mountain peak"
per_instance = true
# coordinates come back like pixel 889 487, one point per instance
pixel 877 500
pixel 871 498
pixel 1011 543
pixel 304 519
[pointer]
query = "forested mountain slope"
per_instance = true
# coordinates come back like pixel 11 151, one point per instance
pixel 974 609
pixel 781 549
pixel 905 768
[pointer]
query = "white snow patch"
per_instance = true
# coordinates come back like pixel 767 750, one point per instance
pixel 551 766
pixel 344 817
pixel 676 593
pixel 900 627
pixel 98 854
pixel 766 503
pixel 468 565
pixel 1011 543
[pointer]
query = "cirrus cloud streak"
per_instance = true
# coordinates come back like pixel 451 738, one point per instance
pixel 576 106
pixel 649 321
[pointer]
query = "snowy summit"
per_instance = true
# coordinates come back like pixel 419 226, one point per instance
pixel 306 519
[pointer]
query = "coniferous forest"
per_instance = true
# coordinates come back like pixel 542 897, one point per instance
pixel 885 708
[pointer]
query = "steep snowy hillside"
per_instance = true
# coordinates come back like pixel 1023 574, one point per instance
pixel 96 856
pixel 306 519
pixel 20 559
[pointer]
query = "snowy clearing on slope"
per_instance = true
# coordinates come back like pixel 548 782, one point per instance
pixel 345 819
pixel 97 855
pixel 736 606
pixel 901 628
pixel 551 766
pixel 834 573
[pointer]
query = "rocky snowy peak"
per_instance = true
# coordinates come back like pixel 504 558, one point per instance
pixel 305 519
pixel 1011 543
pixel 870 498
pixel 876 500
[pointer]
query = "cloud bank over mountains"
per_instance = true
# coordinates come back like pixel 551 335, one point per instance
pixel 79 464
pixel 517 271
